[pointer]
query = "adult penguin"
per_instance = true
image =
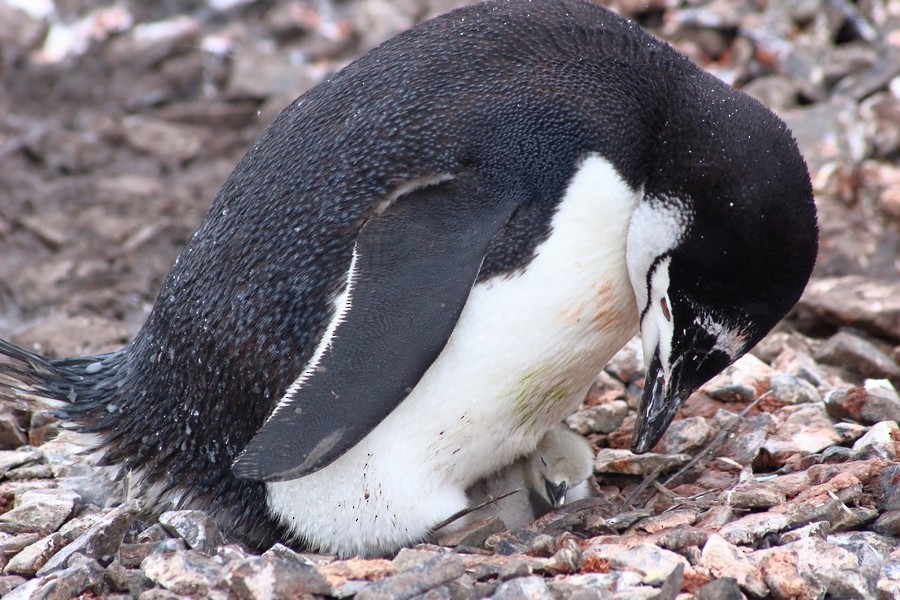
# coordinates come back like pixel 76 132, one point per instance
pixel 421 265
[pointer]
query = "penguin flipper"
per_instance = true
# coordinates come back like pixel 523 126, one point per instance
pixel 412 270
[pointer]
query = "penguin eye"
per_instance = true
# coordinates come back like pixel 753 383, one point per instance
pixel 665 308
pixel 543 462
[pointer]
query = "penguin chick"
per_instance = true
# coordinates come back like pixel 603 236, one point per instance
pixel 554 474
pixel 558 469
pixel 424 261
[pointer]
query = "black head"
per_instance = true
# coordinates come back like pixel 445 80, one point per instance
pixel 721 247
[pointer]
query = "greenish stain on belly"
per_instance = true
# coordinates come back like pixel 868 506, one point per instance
pixel 540 392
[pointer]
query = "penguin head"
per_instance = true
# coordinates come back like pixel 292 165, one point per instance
pixel 562 460
pixel 718 251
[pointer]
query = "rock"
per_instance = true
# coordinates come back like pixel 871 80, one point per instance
pixel 742 381
pixel 13 544
pixel 881 441
pixel 749 529
pixel 652 564
pixel 10 459
pixel 716 517
pixel 722 559
pixel 724 588
pixel 513 569
pixel 624 520
pixel 805 429
pixel 748 435
pixel 887 488
pixel 783 575
pixel 628 363
pixel 813 568
pixel 39 511
pixel 854 352
pixel 74 528
pixel 130 581
pixel 100 542
pixel 790 389
pixel 888 523
pixel 775 91
pixel 823 502
pixel 196 528
pixel 406 584
pixel 875 402
pixel 567 559
pixel 344 575
pixel 524 588
pixel 856 301
pixel 30 472
pixel 819 529
pixel 8 583
pixel 30 559
pixel 168 141
pixel 181 570
pixel 667 520
pixel 686 436
pixel 132 555
pixel 64 584
pixel 602 418
pixel 754 497
pixel 272 578
pixel 12 434
pixel 473 534
pixel 611 460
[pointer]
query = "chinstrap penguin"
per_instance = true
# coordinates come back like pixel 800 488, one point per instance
pixel 423 262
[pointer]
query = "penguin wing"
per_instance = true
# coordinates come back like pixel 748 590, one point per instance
pixel 412 270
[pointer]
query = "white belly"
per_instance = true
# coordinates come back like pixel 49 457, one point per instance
pixel 522 356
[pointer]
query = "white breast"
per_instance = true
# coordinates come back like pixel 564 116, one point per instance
pixel 522 356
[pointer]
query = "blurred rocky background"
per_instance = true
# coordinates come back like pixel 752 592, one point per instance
pixel 120 120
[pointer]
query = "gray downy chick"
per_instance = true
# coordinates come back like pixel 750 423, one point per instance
pixel 554 474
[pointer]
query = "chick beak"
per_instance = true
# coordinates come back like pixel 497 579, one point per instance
pixel 556 492
pixel 660 401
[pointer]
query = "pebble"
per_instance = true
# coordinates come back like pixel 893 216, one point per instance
pixel 31 558
pixel 748 435
pixel 880 441
pixel 12 434
pixel 271 578
pixel 602 418
pixel 804 429
pixel 754 497
pixel 417 580
pixel 750 529
pixel 100 541
pixel 723 559
pixel 651 563
pixel 39 511
pixel 876 401
pixel 523 588
pixel 687 435
pixel 791 389
pixel 195 527
pixel 612 460
pixel 181 570
pixel 856 301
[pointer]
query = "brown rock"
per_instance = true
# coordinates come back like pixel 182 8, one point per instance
pixel 749 529
pixel 856 301
pixel 723 559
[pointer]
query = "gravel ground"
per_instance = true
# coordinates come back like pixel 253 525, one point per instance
pixel 779 479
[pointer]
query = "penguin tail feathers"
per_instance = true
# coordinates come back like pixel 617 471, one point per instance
pixel 30 382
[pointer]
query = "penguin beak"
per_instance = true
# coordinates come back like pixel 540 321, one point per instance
pixel 556 492
pixel 660 401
